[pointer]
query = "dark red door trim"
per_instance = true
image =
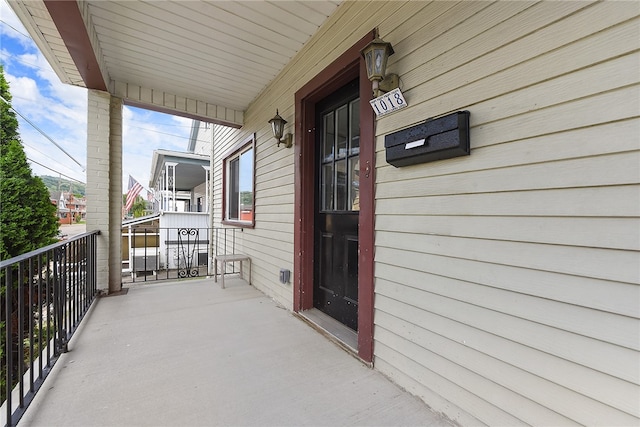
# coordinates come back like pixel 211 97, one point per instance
pixel 68 20
pixel 347 67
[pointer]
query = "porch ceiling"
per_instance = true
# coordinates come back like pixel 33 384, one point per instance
pixel 190 170
pixel 202 59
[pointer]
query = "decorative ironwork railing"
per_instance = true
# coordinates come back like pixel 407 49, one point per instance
pixel 45 295
pixel 155 253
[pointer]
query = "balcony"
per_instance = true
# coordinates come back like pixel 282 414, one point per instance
pixel 190 353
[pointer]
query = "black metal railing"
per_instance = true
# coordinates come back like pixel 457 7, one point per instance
pixel 155 253
pixel 45 295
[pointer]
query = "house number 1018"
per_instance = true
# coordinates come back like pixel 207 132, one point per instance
pixel 388 103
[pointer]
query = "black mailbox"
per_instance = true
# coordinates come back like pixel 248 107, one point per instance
pixel 435 139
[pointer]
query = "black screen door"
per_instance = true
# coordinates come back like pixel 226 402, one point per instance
pixel 337 205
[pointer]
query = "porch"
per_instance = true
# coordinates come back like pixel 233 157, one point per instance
pixel 190 353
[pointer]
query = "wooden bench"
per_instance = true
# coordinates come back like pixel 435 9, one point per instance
pixel 224 259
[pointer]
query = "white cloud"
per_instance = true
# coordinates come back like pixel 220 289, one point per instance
pixel 11 19
pixel 64 125
pixel 145 131
pixel 24 90
pixel 58 110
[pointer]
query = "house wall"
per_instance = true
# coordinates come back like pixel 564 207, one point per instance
pixel 193 227
pixel 201 145
pixel 199 191
pixel 507 282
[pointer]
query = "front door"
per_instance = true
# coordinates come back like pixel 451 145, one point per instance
pixel 337 205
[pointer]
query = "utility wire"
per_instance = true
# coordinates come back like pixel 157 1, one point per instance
pixel 44 134
pixel 35 149
pixel 45 155
pixel 22 61
pixel 160 132
pixel 53 170
pixel 15 29
pixel 165 133
pixel 160 124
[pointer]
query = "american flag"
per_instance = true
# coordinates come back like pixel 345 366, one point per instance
pixel 134 189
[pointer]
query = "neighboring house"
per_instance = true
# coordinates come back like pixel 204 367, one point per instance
pixel 179 200
pixel 77 206
pixel 503 287
pixel 70 208
pixel 140 235
pixel 179 181
pixel 168 242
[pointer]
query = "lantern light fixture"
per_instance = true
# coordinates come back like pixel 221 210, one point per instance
pixel 376 54
pixel 277 126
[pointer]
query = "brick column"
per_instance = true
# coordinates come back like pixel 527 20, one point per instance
pixel 104 185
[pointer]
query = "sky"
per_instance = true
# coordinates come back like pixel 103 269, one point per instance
pixel 60 111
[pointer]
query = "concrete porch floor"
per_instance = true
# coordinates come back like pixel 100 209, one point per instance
pixel 189 353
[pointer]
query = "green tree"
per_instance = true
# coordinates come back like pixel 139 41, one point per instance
pixel 27 216
pixel 27 222
pixel 139 207
pixel 246 198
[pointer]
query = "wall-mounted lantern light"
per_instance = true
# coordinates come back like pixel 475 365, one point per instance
pixel 376 54
pixel 277 125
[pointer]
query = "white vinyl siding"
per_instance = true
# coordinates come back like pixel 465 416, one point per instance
pixel 507 282
pixel 199 193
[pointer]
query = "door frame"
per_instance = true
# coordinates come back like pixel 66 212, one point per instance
pixel 348 66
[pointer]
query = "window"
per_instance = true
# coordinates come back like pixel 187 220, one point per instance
pixel 339 162
pixel 238 184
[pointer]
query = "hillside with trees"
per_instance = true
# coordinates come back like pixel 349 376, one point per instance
pixel 54 183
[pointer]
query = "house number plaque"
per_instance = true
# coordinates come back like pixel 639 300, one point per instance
pixel 388 103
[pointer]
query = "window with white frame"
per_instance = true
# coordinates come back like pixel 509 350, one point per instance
pixel 238 185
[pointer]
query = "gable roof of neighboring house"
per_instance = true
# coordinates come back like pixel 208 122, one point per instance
pixel 193 136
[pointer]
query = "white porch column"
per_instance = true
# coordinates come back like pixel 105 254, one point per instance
pixel 104 185
pixel 163 193
pixel 170 173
